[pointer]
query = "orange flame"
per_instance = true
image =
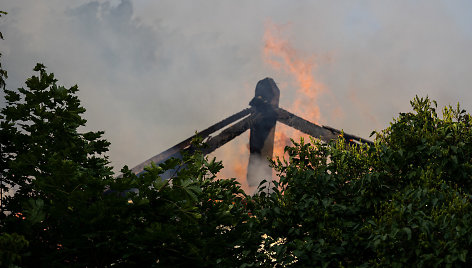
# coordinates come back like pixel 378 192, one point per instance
pixel 281 55
pixel 281 139
pixel 235 157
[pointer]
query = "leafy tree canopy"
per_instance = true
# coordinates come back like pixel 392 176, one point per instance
pixel 66 208
pixel 3 73
pixel 404 201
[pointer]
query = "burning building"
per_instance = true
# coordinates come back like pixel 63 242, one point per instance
pixel 260 119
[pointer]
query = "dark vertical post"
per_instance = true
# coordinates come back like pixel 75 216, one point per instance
pixel 261 141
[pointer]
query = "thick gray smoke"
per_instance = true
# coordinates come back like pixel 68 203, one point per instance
pixel 153 72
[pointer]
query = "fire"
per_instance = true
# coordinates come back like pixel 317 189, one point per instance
pixel 281 55
pixel 281 139
pixel 235 157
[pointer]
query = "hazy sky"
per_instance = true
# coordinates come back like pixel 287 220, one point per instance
pixel 150 73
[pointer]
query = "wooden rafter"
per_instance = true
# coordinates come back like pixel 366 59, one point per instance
pixel 174 150
pixel 264 107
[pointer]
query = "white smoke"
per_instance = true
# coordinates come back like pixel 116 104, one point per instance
pixel 151 73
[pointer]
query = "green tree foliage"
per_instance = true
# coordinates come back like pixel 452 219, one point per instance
pixel 42 145
pixel 403 202
pixel 3 73
pixel 191 220
pixel 427 163
pixel 54 173
pixel 60 212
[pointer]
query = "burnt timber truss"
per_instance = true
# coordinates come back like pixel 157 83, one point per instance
pixel 260 118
